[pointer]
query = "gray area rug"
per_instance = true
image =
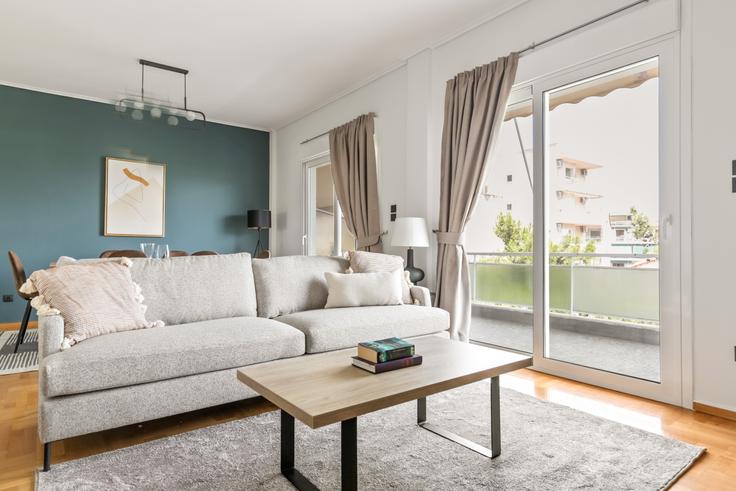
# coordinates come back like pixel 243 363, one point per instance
pixel 545 446
pixel 25 360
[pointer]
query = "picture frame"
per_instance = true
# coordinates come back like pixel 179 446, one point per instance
pixel 135 198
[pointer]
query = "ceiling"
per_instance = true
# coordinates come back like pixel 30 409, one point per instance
pixel 257 63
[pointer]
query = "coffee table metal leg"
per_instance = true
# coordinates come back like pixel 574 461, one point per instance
pixel 287 455
pixel 495 417
pixel 495 449
pixel 349 454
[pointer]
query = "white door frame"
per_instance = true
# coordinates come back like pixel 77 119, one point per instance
pixel 670 388
pixel 308 226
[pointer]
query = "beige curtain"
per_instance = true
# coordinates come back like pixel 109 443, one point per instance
pixel 475 103
pixel 353 155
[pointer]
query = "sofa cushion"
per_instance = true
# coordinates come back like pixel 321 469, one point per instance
pixel 293 283
pixel 136 357
pixel 332 329
pixel 181 290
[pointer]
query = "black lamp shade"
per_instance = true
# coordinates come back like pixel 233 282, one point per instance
pixel 259 218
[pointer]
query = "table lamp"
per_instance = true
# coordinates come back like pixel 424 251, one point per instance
pixel 410 232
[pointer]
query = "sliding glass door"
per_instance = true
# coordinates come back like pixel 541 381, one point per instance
pixel 587 279
pixel 607 243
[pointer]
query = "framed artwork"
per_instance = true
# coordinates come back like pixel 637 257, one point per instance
pixel 135 198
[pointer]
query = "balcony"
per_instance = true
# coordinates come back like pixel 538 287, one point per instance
pixel 601 316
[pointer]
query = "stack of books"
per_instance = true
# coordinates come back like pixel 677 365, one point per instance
pixel 386 355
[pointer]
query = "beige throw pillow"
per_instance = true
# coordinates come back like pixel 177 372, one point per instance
pixel 375 262
pixel 92 298
pixel 363 289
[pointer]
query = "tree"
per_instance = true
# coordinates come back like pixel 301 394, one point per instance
pixel 518 238
pixel 570 244
pixel 515 236
pixel 642 230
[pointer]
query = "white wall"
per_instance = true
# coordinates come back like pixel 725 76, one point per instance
pixel 409 103
pixel 714 206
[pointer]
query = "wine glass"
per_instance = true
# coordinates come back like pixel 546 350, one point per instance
pixel 162 251
pixel 148 249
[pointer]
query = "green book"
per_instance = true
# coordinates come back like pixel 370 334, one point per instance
pixel 385 350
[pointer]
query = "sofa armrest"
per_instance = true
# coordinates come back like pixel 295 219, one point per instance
pixel 421 296
pixel 50 334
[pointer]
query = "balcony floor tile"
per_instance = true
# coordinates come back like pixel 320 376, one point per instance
pixel 631 358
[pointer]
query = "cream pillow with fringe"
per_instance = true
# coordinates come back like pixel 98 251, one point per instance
pixel 92 298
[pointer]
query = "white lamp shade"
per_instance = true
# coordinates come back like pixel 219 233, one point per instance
pixel 410 232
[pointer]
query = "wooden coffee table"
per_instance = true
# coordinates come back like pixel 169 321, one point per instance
pixel 325 388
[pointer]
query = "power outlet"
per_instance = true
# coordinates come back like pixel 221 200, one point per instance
pixel 7 298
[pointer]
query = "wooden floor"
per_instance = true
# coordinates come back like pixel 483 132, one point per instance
pixel 20 451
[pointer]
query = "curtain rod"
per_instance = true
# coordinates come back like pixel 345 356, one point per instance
pixel 326 132
pixel 581 26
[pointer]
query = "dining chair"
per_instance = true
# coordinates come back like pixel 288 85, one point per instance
pixel 19 275
pixel 122 253
pixel 177 253
pixel 204 253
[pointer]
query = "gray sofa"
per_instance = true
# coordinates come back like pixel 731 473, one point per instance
pixel 221 313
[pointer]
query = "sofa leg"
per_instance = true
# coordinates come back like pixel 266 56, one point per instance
pixel 46 456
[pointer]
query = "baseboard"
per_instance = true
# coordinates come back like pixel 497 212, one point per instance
pixel 714 411
pixel 14 326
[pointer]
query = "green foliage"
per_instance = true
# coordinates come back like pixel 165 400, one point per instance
pixel 641 228
pixel 518 238
pixel 515 236
pixel 571 244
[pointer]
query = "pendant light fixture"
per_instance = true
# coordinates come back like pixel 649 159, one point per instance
pixel 140 107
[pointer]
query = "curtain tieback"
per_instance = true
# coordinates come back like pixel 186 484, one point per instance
pixel 367 241
pixel 451 238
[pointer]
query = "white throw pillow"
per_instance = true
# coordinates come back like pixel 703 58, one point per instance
pixel 363 289
pixel 375 262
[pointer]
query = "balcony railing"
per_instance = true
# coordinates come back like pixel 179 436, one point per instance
pixel 586 286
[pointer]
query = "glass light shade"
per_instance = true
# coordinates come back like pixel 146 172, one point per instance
pixel 155 112
pixel 172 120
pixel 410 232
pixel 137 114
pixel 190 116
pixel 139 104
pixel 120 107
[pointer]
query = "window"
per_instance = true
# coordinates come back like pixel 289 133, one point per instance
pixel 326 232
pixel 499 233
pixel 569 172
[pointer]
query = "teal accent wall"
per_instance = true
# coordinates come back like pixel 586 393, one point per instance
pixel 52 157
